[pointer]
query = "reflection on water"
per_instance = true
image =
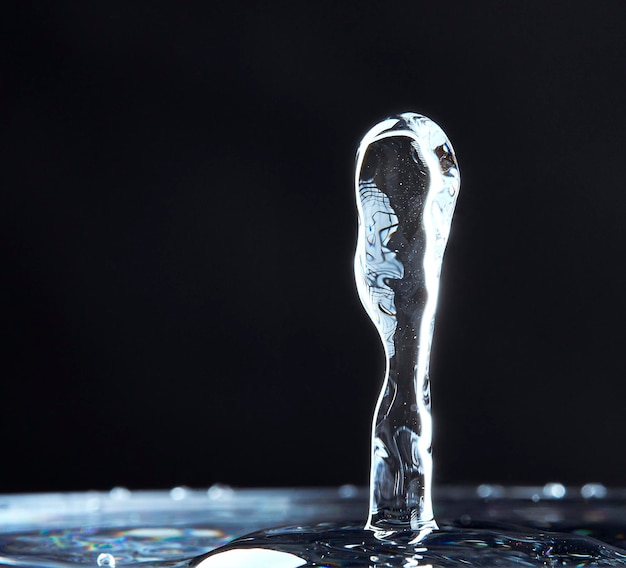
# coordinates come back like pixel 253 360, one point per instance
pixel 258 557
pixel 154 528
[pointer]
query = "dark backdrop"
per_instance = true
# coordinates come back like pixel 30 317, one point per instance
pixel 178 227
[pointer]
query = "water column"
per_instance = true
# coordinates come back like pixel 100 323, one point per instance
pixel 407 182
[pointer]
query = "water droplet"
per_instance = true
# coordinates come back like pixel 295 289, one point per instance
pixel 106 559
pixel 120 494
pixel 488 491
pixel 179 493
pixel 218 491
pixel 348 491
pixel 593 491
pixel 554 490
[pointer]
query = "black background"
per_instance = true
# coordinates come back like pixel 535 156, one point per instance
pixel 178 226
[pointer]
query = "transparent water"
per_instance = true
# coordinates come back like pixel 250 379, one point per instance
pixel 452 546
pixel 155 529
pixel 407 182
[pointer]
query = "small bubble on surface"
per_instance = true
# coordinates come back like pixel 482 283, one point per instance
pixel 120 494
pixel 106 559
pixel 554 490
pixel 218 491
pixel 535 498
pixel 593 491
pixel 178 493
pixel 347 491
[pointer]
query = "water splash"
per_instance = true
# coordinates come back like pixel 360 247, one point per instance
pixel 407 182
